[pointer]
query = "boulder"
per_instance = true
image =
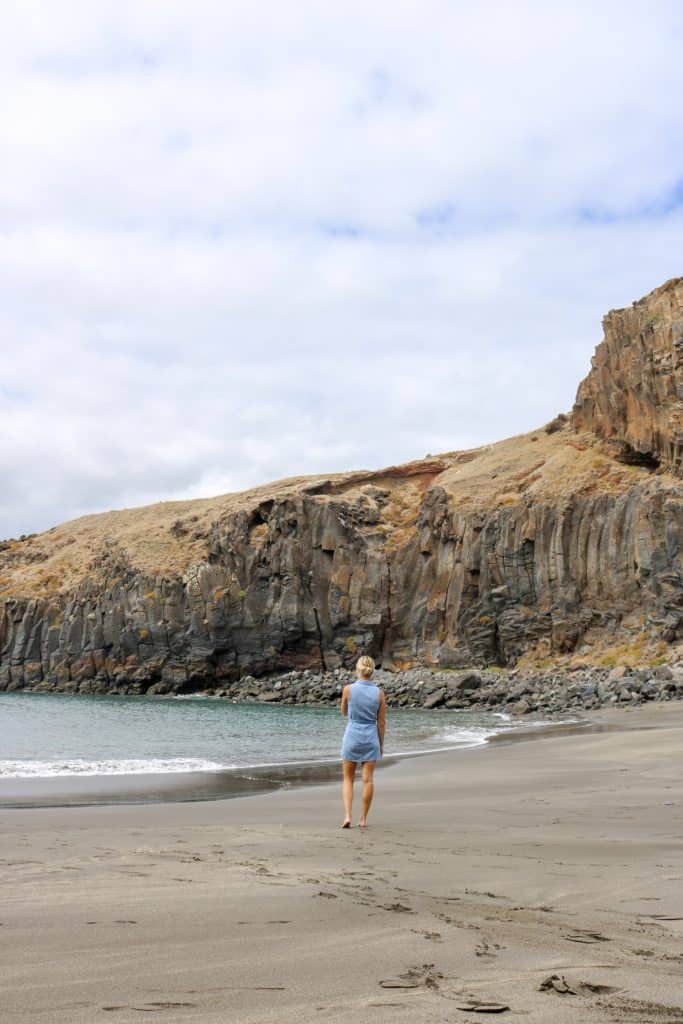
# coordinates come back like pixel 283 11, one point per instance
pixel 467 682
pixel 434 700
pixel 522 707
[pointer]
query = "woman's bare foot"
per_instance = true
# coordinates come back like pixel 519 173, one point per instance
pixel 362 823
pixel 346 823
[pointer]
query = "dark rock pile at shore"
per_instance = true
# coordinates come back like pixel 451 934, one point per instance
pixel 518 694
pixel 515 692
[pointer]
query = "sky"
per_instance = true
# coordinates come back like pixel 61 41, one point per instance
pixel 246 241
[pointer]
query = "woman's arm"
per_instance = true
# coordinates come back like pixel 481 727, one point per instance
pixel 345 700
pixel 381 719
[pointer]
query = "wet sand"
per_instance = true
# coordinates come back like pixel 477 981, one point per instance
pixel 484 872
pixel 89 790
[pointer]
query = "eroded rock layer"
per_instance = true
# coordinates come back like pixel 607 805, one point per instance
pixel 541 545
pixel 633 395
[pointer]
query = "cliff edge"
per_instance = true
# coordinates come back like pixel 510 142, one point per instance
pixel 633 395
pixel 558 543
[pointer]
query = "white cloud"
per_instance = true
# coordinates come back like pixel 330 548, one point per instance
pixel 240 242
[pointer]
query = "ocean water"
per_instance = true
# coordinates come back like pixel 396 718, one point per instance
pixel 52 735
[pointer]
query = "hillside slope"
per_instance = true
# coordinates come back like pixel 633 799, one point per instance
pixel 528 548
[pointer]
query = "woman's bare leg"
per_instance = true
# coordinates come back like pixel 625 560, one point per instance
pixel 347 790
pixel 367 775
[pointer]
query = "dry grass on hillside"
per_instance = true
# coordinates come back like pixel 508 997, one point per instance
pixel 168 537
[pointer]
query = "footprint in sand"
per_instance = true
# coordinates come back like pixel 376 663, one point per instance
pixel 558 984
pixel 423 976
pixel 489 895
pixel 150 1007
pixel 586 937
pixel 399 983
pixel 431 936
pixel 382 1005
pixel 487 951
pixel 475 1006
pixel 642 899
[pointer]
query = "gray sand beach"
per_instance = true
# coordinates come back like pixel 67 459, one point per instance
pixel 543 875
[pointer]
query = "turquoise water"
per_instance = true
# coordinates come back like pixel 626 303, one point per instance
pixel 47 735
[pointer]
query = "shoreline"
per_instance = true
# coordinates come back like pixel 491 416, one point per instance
pixel 244 782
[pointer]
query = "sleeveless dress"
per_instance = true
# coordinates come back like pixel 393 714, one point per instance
pixel 361 739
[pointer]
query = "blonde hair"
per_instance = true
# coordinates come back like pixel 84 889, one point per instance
pixel 365 666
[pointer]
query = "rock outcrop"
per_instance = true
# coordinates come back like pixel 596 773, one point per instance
pixel 633 395
pixel 558 543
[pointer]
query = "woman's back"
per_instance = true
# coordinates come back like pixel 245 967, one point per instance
pixel 363 702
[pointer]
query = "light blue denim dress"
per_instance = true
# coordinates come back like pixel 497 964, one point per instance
pixel 361 739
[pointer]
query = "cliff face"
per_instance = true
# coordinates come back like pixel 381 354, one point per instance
pixel 539 544
pixel 633 395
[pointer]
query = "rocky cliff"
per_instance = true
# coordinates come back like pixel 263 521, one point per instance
pixel 561 541
pixel 633 395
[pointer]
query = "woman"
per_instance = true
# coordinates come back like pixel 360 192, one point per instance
pixel 363 741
